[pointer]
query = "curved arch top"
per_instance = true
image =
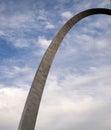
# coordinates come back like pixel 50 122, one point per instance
pixel 31 108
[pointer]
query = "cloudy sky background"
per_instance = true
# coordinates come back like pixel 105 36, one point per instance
pixel 77 94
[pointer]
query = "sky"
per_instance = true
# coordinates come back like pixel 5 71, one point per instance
pixel 77 92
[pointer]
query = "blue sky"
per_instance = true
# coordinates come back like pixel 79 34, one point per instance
pixel 77 92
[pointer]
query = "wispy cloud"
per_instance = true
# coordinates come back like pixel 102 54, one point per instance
pixel 2 33
pixel 43 42
pixel 50 26
pixel 67 14
pixel 21 43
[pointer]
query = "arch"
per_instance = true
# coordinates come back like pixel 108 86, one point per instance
pixel 32 104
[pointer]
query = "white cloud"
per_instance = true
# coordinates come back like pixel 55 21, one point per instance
pixel 67 14
pixel 104 3
pixel 43 42
pixel 17 21
pixel 21 43
pixel 101 44
pixel 20 19
pixel 49 26
pixel 72 98
pixel 11 105
pixel 69 98
pixel 60 100
pixel 20 77
pixel 97 43
pixel 2 33
pixel 2 86
pixel 14 70
pixel 42 15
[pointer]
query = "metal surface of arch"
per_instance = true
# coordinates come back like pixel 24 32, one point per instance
pixel 31 108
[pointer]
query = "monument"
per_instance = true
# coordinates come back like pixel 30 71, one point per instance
pixel 32 104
